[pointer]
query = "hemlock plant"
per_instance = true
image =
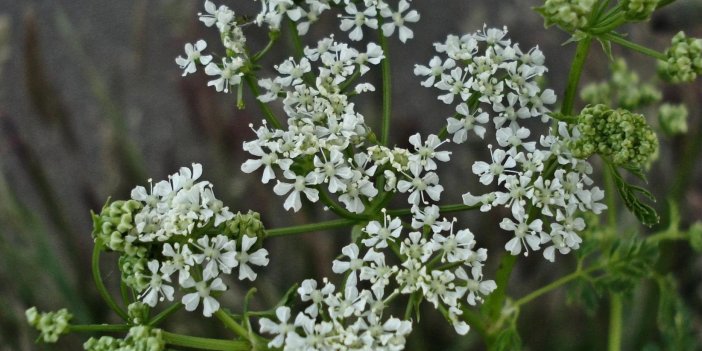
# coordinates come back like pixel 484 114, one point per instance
pixel 178 243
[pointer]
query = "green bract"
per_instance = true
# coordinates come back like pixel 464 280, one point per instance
pixel 619 135
pixel 684 61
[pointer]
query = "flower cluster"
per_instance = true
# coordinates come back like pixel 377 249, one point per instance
pixel 443 266
pixel 684 61
pixel 499 83
pixel 619 135
pixel 179 227
pixel 639 10
pixel 673 119
pixel 624 89
pixel 51 325
pixel 570 15
pixel 139 338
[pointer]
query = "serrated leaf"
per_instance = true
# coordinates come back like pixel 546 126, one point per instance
pixel 629 261
pixel 630 194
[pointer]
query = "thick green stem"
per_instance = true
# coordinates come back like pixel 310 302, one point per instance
pixel 576 70
pixel 164 314
pixel 387 91
pixel 633 46
pixel 204 343
pixel 230 323
pixel 314 227
pixel 90 328
pixel 270 117
pixel 442 209
pixel 615 322
pixel 97 277
pixel 273 37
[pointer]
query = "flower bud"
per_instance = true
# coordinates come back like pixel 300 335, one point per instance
pixel 673 119
pixel 684 59
pixel 50 325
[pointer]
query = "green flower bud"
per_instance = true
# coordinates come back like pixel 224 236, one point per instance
pixel 134 271
pixel 624 90
pixel 673 119
pixel 113 223
pixel 139 338
pixel 620 135
pixel 50 325
pixel 570 15
pixel 105 343
pixel 138 312
pixel 684 61
pixel 639 10
pixel 248 224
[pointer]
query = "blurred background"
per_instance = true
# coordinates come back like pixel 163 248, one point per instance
pixel 92 104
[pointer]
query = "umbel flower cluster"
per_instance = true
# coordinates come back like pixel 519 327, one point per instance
pixel 178 230
pixel 328 153
pixel 178 242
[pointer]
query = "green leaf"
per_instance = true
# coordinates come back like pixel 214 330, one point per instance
pixel 630 194
pixel 629 261
pixel 508 339
pixel 673 318
pixel 695 235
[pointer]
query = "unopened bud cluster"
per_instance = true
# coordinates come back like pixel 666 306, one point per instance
pixel 624 90
pixel 50 325
pixel 567 14
pixel 179 227
pixel 139 338
pixel 684 59
pixel 620 135
pixel 639 10
pixel 673 119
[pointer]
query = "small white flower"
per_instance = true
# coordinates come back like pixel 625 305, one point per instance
pixel 193 56
pixel 398 20
pixel 157 290
pixel 258 258
pixel 203 292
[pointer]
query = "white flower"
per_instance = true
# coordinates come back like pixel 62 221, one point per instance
pixel 280 330
pixel 380 234
pixel 501 161
pixel 526 234
pixel 351 266
pixel 300 185
pixel 228 74
pixel 258 258
pixel 475 287
pixel 157 290
pixel 357 19
pixel 203 292
pixel 429 184
pixel 435 70
pixel 219 254
pixel 460 127
pixel 193 56
pixel 398 20
pixel 180 259
pixel 426 152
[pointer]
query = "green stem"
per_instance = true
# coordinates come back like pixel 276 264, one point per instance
pixel 576 70
pixel 273 37
pixel 610 191
pixel 204 343
pixel 387 92
pixel 314 227
pixel 496 300
pixel 89 328
pixel 334 207
pixel 633 46
pixel 615 322
pixel 442 209
pixel 270 117
pixel 164 314
pixel 230 323
pixel 101 286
